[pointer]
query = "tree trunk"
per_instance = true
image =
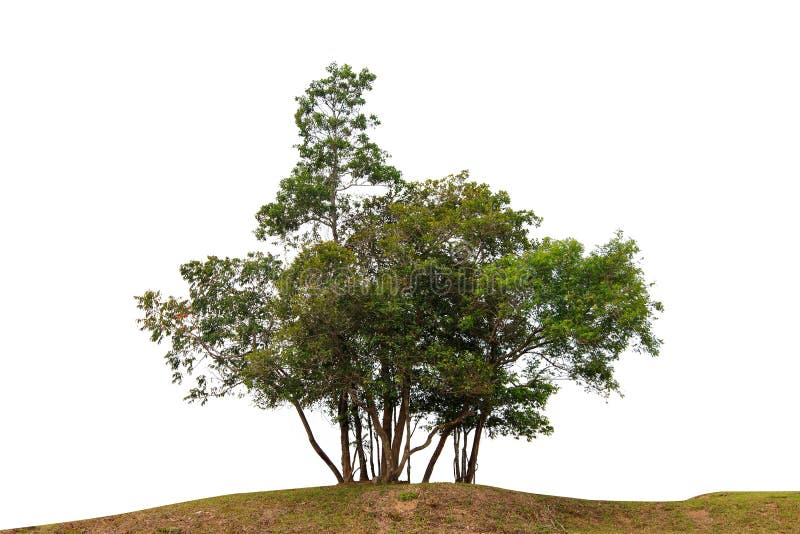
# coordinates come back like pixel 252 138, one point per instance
pixel 388 408
pixel 457 455
pixel 362 458
pixel 407 452
pixel 476 442
pixel 315 445
pixel 371 454
pixel 464 441
pixel 400 423
pixel 435 456
pixel 344 438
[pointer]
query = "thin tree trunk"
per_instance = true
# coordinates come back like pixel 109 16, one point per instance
pixel 457 455
pixel 400 422
pixel 388 407
pixel 476 442
pixel 380 452
pixel 334 179
pixel 408 442
pixel 315 445
pixel 362 459
pixel 435 456
pixel 371 455
pixel 344 438
pixel 464 441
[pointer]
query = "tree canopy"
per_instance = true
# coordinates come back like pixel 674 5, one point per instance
pixel 406 306
pixel 337 158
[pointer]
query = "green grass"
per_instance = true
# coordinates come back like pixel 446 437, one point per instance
pixel 448 508
pixel 406 496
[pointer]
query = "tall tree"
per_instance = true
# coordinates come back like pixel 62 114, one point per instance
pixel 337 158
pixel 338 165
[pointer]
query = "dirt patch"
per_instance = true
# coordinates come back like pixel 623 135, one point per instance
pixel 405 507
pixel 388 510
pixel 701 518
pixel 624 519
pixel 769 509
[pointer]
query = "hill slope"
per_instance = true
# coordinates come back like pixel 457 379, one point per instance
pixel 447 508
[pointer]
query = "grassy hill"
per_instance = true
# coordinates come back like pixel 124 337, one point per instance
pixel 447 508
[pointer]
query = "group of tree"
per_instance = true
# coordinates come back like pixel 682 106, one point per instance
pixel 410 312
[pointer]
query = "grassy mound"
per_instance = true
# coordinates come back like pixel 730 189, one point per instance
pixel 447 508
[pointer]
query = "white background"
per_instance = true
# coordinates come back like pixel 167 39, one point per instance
pixel 135 136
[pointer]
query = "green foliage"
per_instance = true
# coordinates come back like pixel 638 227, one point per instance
pixel 230 313
pixel 503 315
pixel 336 157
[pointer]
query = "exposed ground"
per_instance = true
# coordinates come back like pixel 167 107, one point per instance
pixel 447 508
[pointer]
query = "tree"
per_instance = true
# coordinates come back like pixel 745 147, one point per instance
pixel 337 158
pixel 404 305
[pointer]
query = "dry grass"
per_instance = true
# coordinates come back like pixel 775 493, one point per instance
pixel 447 508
